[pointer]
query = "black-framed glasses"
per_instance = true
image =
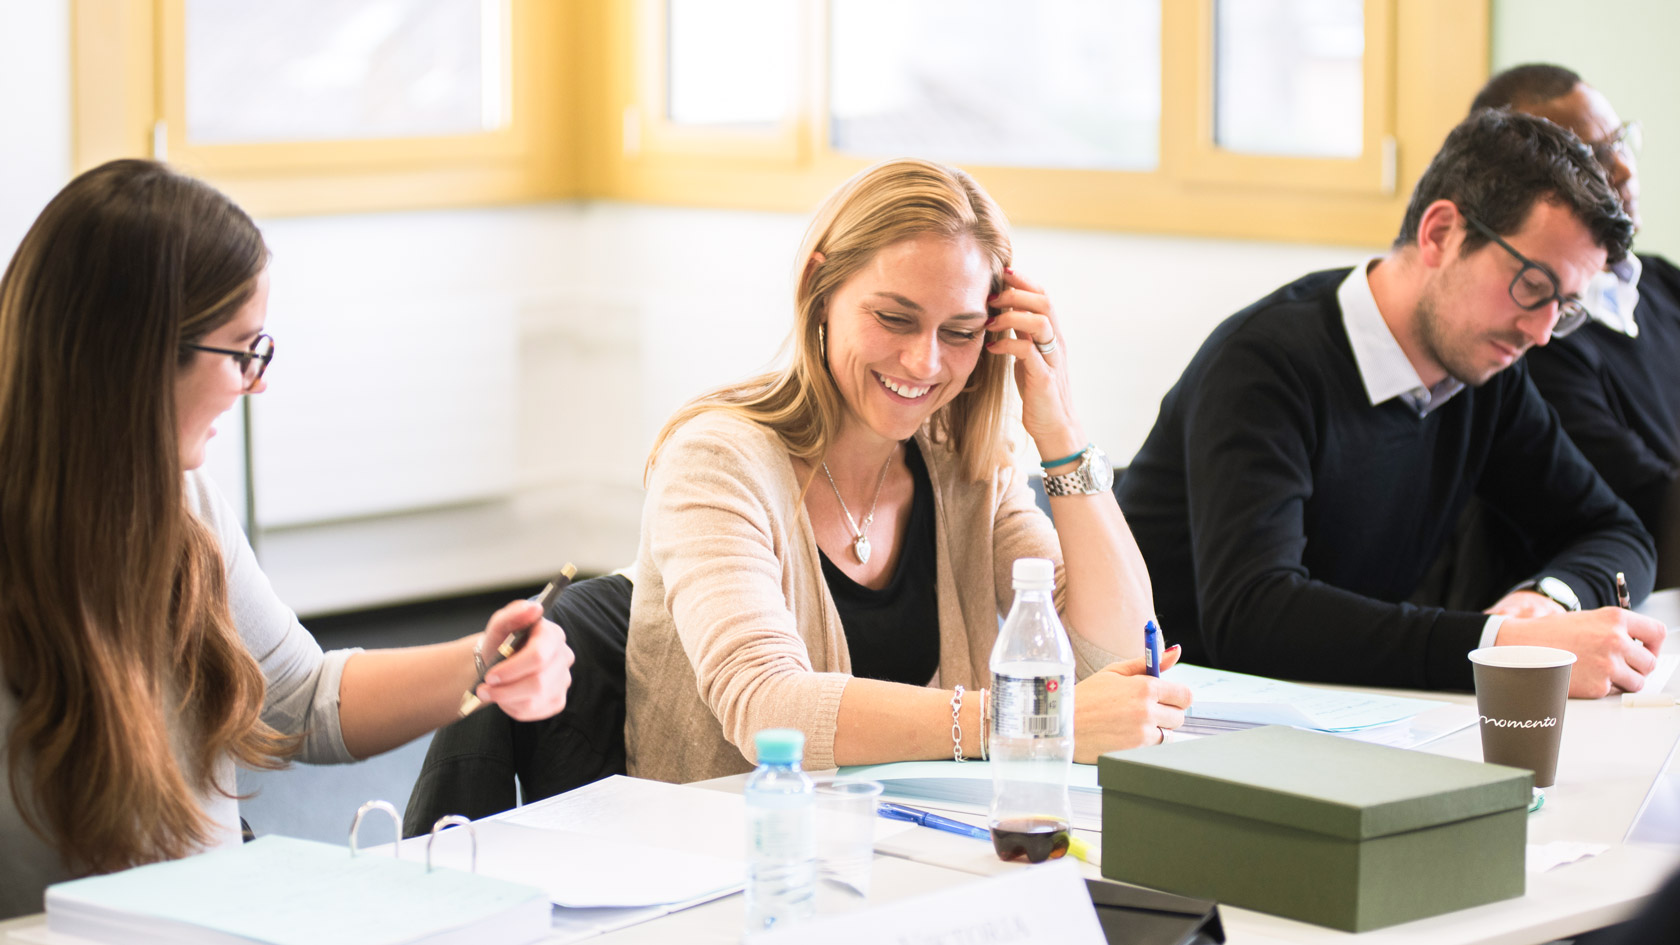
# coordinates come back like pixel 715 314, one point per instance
pixel 1534 286
pixel 253 361
pixel 1625 141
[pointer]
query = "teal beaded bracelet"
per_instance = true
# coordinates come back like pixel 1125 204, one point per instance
pixel 1053 463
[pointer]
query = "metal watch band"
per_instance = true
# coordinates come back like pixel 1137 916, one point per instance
pixel 1077 482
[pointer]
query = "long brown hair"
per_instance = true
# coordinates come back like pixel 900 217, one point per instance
pixel 114 622
pixel 880 206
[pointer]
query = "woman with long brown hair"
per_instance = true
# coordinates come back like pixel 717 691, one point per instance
pixel 142 652
pixel 828 546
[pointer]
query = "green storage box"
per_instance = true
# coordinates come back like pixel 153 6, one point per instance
pixel 1315 827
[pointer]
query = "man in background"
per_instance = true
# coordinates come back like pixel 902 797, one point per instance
pixel 1317 452
pixel 1616 382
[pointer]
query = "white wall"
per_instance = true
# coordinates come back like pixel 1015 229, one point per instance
pixel 622 313
pixel 609 316
pixel 34 111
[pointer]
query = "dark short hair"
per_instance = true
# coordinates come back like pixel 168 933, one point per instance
pixel 1525 85
pixel 1497 164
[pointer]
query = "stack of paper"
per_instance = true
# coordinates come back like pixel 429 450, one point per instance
pixel 612 854
pixel 1227 701
pixel 966 787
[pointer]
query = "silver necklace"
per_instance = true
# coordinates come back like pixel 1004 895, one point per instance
pixel 860 536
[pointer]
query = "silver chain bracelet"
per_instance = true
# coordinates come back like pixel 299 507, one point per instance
pixel 956 726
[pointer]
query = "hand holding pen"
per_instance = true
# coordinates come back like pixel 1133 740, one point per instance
pixel 524 664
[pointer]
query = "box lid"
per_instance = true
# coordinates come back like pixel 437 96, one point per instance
pixel 1315 782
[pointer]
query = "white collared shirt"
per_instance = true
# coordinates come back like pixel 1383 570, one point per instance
pixel 1386 371
pixel 1383 366
pixel 1612 294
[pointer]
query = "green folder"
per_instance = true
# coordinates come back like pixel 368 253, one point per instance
pixel 1315 827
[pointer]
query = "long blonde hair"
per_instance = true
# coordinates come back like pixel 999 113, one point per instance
pixel 880 206
pixel 113 603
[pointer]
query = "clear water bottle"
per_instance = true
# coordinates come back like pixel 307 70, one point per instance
pixel 1032 721
pixel 781 833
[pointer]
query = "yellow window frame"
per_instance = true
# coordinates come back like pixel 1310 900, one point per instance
pixel 1424 61
pixel 138 46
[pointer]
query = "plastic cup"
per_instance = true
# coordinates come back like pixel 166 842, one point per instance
pixel 846 832
pixel 1521 692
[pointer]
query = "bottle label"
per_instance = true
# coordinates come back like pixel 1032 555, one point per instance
pixel 784 831
pixel 1028 706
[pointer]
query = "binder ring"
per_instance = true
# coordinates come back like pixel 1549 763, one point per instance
pixel 445 822
pixel 356 825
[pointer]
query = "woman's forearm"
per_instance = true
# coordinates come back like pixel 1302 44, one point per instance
pixel 1109 595
pixel 388 698
pixel 881 721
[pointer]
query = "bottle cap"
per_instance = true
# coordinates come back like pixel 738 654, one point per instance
pixel 779 746
pixel 1035 573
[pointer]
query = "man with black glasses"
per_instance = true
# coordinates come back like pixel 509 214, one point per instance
pixel 1315 455
pixel 1616 383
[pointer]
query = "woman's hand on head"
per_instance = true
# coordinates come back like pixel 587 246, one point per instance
pixel 1121 706
pixel 1042 378
pixel 531 684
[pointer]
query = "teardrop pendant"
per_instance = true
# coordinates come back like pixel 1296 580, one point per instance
pixel 860 547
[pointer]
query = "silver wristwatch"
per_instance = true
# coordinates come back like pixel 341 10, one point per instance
pixel 1093 475
pixel 1553 588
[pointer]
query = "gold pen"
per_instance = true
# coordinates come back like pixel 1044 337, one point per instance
pixel 470 701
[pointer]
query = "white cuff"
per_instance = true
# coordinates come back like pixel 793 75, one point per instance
pixel 1490 630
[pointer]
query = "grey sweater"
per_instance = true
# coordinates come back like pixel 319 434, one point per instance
pixel 302 697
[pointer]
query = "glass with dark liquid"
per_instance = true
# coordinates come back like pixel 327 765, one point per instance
pixel 1034 840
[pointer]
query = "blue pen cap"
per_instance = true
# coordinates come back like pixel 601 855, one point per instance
pixel 779 746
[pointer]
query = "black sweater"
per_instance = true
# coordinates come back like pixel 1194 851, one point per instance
pixel 1619 397
pixel 1285 521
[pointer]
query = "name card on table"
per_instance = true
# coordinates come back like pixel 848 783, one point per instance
pixel 1047 903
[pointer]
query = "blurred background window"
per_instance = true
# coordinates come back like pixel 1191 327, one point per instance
pixel 1289 77
pixel 321 70
pixel 1058 83
pixel 731 62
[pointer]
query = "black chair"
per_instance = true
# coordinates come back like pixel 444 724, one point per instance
pixel 473 765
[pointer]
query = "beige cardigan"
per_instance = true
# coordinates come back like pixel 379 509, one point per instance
pixel 732 628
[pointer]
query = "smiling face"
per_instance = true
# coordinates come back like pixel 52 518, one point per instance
pixel 905 332
pixel 210 383
pixel 1467 322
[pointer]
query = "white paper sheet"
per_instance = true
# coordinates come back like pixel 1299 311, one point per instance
pixel 1240 697
pixel 1544 856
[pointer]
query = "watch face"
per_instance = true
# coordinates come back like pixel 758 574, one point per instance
pixel 1558 591
pixel 1102 471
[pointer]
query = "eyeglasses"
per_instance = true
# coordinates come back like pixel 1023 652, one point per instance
pixel 1625 141
pixel 1535 287
pixel 252 361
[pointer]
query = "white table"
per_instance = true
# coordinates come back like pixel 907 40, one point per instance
pixel 1610 757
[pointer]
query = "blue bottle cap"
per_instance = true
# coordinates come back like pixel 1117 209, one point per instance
pixel 779 746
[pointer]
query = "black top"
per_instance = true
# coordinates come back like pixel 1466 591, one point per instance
pixel 893 633
pixel 1619 397
pixel 1285 520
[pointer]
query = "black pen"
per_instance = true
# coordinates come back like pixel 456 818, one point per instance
pixel 1622 598
pixel 509 646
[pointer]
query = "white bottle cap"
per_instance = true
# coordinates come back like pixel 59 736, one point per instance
pixel 1035 574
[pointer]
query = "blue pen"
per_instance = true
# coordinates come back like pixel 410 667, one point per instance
pixel 1152 648
pixel 926 819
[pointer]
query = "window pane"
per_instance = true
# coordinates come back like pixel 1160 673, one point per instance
pixel 731 62
pixel 306 70
pixel 1057 83
pixel 1289 77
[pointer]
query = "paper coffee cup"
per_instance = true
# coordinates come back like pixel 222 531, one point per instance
pixel 1521 692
